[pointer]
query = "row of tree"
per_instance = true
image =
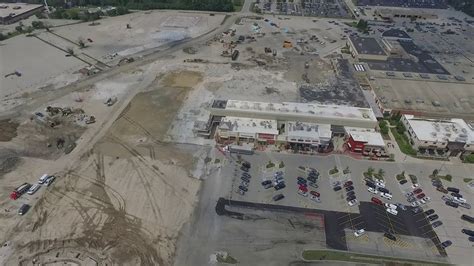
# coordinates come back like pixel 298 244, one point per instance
pixel 211 5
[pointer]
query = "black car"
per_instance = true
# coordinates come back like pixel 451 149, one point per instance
pixel 350 193
pixel 266 182
pixel 416 210
pixel 313 184
pixel 312 179
pixel 246 175
pixel 278 197
pixel 280 186
pixel 243 188
pixel 453 189
pixel 390 236
pixel 471 238
pixel 243 178
pixel 245 169
pixel 437 224
pixel 446 243
pixel 352 197
pixel 246 165
pixel 403 181
pixel 468 232
pixel 370 184
pixel 468 218
pixel 384 190
pixel 350 188
pixel 429 212
pixel 454 194
pixel 337 188
pixel 433 217
pixel 23 209
pixel 452 204
pixel 436 183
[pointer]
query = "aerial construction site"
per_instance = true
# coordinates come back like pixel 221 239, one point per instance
pixel 121 139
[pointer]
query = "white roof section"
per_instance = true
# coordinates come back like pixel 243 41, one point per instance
pixel 249 125
pixel 453 130
pixel 308 130
pixel 304 109
pixel 16 9
pixel 369 137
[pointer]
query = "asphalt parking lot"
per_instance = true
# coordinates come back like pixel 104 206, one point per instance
pixel 413 232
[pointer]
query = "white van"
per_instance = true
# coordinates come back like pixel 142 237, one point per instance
pixel 33 189
pixel 43 178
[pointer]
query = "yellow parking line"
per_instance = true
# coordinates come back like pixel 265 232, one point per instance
pixel 398 243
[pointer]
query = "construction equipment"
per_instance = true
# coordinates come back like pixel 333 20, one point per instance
pixel 287 44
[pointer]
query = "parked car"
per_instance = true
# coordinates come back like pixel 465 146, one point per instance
pixel 350 188
pixel 359 232
pixel 446 243
pixel 23 209
pixel 409 194
pixel 50 180
pixel 370 184
pixel 244 179
pixel 336 184
pixel 314 198
pixel 383 190
pixel 278 197
pixel 243 188
pixel 442 189
pixel 33 189
pixel 312 184
pixel 245 184
pixel 433 217
pixel 302 179
pixel 390 236
pixel 454 194
pixel 246 164
pixel 453 189
pixel 417 191
pixel 471 238
pixel 246 175
pixel 468 218
pixel 429 212
pixel 401 206
pixel 372 190
pixel 392 211
pixel 312 179
pixel 437 224
pixel 350 193
pixel 459 200
pixel 415 203
pixel 304 184
pixel 380 184
pixel 303 193
pixel 391 206
pixel 376 201
pixel 280 186
pixel 245 169
pixel 386 195
pixel 436 183
pixel 468 232
pixel 266 182
pixel 351 198
pixel 314 193
pixel 416 210
pixel 337 188
pixel 352 202
pixel 465 205
pixel 421 195
pixel 403 181
pixel 348 183
pixel 452 204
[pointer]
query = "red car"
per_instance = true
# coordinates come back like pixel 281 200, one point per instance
pixel 314 193
pixel 420 196
pixel 417 191
pixel 304 189
pixel 376 201
pixel 348 184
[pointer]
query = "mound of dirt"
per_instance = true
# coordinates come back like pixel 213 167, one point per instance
pixel 8 130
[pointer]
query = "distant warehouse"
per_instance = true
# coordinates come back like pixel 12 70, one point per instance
pixel 13 12
pixel 366 48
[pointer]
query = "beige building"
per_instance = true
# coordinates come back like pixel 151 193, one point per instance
pixel 404 13
pixel 454 136
pixel 366 48
pixel 13 12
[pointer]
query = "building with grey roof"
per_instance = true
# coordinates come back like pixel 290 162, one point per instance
pixel 366 48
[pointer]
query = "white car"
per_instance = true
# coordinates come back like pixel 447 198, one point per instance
pixel 302 193
pixel 372 190
pixel 391 206
pixel 415 203
pixel 427 199
pixel 422 201
pixel 460 200
pixel 415 186
pixel 392 211
pixel 359 232
pixel 33 189
pixel 380 184
pixel 314 198
pixel 386 195
pixel 352 202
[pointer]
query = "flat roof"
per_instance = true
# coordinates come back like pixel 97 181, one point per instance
pixel 249 125
pixel 6 9
pixel 453 130
pixel 304 109
pixel 370 137
pixel 297 129
pixel 396 33
pixel 367 45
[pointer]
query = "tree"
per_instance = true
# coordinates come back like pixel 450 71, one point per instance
pixel 381 172
pixel 81 42
pixel 435 172
pixel 37 24
pixel 70 50
pixel 370 171
pixel 19 28
pixel 2 37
